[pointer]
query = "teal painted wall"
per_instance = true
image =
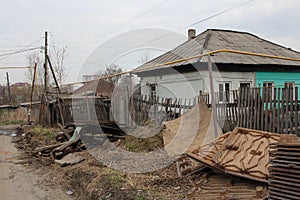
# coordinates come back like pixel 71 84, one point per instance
pixel 279 78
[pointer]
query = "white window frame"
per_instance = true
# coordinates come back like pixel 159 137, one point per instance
pixel 268 85
pixel 224 91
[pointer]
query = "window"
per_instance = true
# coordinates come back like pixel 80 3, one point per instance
pixel 152 91
pixel 268 90
pixel 244 85
pixel 268 84
pixel 289 88
pixel 224 89
pixel 289 84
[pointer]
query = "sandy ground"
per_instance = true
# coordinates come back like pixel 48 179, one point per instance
pixel 18 181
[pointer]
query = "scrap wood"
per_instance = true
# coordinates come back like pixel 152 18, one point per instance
pixel 63 147
pixel 66 132
pixel 218 186
pixel 284 181
pixel 243 152
pixel 69 159
pixel 48 147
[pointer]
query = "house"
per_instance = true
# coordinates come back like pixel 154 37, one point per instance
pixel 188 78
pixel 96 88
pixel 20 92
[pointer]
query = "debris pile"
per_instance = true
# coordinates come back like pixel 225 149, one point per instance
pixel 62 145
pixel 284 181
pixel 242 164
pixel 49 145
pixel 218 186
pixel 243 152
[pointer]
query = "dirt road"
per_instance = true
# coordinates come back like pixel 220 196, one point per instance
pixel 18 181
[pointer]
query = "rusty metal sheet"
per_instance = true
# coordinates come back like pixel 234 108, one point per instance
pixel 284 181
pixel 243 152
pixel 218 186
pixel 187 166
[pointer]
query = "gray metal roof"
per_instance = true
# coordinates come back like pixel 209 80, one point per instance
pixel 212 39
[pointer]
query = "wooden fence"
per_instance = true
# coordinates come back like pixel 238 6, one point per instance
pixel 160 108
pixel 270 109
pixel 84 110
pixel 267 109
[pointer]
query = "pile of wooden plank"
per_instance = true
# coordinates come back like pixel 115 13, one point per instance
pixel 284 180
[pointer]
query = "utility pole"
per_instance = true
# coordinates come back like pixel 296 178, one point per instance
pixel 212 93
pixel 8 88
pixel 45 63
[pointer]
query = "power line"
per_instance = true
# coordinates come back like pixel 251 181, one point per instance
pixel 120 27
pixel 156 66
pixel 140 16
pixel 24 49
pixel 205 19
pixel 219 13
pixel 19 51
pixel 15 67
pixel 200 21
pixel 9 50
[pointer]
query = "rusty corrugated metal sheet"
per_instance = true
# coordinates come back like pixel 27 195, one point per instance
pixel 218 186
pixel 284 181
pixel 243 152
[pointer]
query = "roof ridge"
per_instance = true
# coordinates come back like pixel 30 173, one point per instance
pixel 251 34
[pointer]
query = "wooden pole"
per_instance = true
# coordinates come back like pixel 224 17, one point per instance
pixel 33 83
pixel 131 99
pixel 8 88
pixel 87 106
pixel 32 89
pixel 53 74
pixel 45 63
pixel 3 94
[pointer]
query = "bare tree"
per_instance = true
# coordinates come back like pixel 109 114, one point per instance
pixel 144 58
pixel 58 56
pixel 31 60
pixel 111 70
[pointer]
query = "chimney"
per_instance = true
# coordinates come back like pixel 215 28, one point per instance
pixel 191 34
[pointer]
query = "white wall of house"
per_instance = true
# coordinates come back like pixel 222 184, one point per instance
pixel 188 85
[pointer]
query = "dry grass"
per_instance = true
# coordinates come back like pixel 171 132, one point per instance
pixel 135 144
pixel 91 180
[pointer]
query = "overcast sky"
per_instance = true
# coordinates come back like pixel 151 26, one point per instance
pixel 82 26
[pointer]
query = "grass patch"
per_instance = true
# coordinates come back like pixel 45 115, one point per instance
pixel 40 136
pixel 114 179
pixel 15 122
pixel 134 144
